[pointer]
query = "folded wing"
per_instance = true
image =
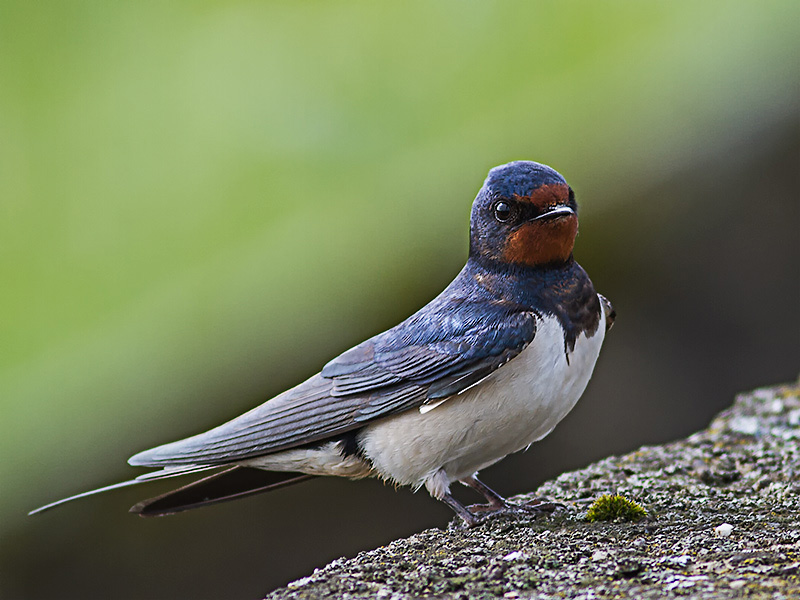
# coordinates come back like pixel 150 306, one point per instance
pixel 443 349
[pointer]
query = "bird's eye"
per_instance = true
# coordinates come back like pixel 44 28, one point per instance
pixel 503 212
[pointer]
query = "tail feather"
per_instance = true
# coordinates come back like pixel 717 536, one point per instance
pixel 162 474
pixel 107 488
pixel 231 484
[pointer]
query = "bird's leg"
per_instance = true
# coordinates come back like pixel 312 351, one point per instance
pixel 470 520
pixel 438 486
pixel 495 500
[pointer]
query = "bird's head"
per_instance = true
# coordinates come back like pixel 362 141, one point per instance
pixel 524 215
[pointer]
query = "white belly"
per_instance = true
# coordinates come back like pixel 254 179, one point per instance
pixel 518 404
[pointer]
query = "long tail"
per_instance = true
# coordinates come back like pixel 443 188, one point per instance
pixel 231 484
pixel 162 474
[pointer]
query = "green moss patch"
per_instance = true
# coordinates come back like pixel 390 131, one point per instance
pixel 615 508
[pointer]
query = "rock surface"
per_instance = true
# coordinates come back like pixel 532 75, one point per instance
pixel 722 523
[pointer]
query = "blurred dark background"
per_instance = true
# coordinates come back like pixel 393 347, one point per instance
pixel 202 203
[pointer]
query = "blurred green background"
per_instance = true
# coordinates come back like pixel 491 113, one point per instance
pixel 203 202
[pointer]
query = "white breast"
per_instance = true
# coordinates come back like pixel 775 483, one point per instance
pixel 518 404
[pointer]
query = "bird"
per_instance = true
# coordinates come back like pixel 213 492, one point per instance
pixel 486 368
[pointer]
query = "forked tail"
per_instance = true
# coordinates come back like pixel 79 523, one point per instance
pixel 229 484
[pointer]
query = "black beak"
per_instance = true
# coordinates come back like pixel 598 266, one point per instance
pixel 555 212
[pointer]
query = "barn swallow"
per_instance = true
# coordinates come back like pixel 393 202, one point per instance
pixel 488 367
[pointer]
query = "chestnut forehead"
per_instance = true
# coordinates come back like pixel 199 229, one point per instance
pixel 547 195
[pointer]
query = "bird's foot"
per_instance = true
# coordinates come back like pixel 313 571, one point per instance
pixel 537 506
pixel 540 505
pixel 476 514
pixel 498 504
pixel 489 508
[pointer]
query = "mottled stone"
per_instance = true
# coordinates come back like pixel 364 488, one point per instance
pixel 741 472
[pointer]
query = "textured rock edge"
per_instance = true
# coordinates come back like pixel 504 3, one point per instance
pixel 722 505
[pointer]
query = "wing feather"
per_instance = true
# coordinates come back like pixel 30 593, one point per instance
pixel 443 349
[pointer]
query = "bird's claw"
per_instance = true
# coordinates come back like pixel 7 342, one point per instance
pixel 540 505
pixel 480 513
